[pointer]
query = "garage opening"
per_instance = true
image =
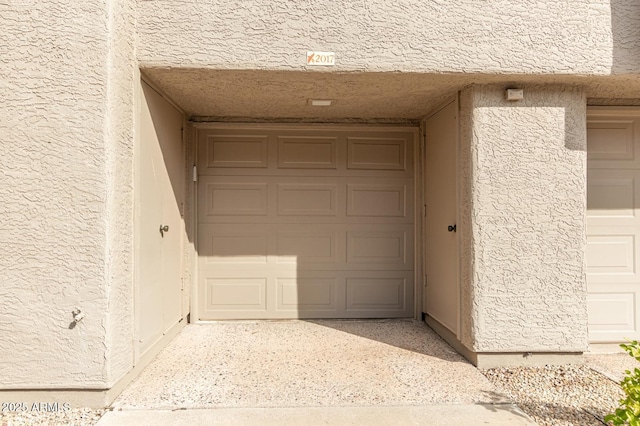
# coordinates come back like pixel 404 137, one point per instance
pixel 613 223
pixel 305 221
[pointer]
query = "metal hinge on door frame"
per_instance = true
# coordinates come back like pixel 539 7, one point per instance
pixel 195 173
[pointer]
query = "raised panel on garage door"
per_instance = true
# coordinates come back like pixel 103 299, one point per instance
pixel 613 224
pixel 303 222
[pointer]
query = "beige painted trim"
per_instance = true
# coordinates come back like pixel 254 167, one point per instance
pixel 422 141
pixel 160 92
pixel 185 231
pixel 310 126
pixel 420 175
pixel 450 338
pixel 439 107
pixel 613 110
pixel 189 204
pixel 460 203
pixel 92 398
pixel 306 120
pixel 418 225
pixel 418 202
pixel 137 96
pixel 195 148
pixel 484 360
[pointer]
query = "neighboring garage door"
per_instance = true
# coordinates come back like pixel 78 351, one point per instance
pixel 613 224
pixel 302 222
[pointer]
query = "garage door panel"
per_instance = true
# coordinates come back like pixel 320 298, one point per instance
pixel 307 220
pixel 377 153
pixel 612 254
pixel 611 197
pixel 307 199
pixel 612 316
pixel 243 199
pixel 237 151
pixel 375 293
pixel 610 140
pixel 321 232
pixel 239 245
pixel 387 247
pixel 253 243
pixel 304 172
pixel 377 200
pixel 233 293
pixel 307 294
pixel 286 200
pixel 613 142
pixel 307 247
pixel 307 152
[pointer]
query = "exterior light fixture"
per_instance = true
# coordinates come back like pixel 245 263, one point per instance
pixel 514 94
pixel 321 102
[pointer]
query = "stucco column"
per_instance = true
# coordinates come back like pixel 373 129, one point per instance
pixel 66 201
pixel 523 192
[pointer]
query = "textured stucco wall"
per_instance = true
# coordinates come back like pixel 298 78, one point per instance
pixel 119 140
pixel 65 121
pixel 523 182
pixel 504 36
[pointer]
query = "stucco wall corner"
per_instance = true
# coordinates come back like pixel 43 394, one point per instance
pixel 119 136
pixel 468 306
pixel 527 219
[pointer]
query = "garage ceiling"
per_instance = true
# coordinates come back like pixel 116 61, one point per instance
pixel 207 94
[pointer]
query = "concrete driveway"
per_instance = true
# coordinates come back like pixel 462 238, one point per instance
pixel 340 371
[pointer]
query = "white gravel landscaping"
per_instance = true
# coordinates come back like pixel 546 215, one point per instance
pixel 559 395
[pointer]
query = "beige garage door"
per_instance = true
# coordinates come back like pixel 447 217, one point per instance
pixel 300 222
pixel 613 224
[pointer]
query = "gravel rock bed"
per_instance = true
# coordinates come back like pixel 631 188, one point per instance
pixel 559 395
pixel 74 417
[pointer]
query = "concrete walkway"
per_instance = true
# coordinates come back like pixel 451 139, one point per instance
pixel 611 362
pixel 311 372
pixel 429 415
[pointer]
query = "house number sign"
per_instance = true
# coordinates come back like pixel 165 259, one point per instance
pixel 321 58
